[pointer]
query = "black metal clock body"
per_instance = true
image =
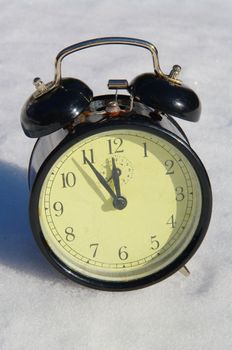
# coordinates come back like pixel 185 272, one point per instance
pixel 99 158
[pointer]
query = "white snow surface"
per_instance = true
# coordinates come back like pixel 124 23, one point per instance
pixel 41 309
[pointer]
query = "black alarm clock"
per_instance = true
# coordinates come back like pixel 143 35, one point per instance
pixel 118 198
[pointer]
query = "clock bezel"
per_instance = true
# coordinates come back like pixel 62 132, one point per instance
pixel 138 123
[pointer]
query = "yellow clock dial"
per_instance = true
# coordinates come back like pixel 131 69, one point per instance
pixel 120 205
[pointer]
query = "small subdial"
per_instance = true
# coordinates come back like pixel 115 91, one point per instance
pixel 124 168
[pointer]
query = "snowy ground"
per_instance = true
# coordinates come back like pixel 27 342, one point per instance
pixel 39 308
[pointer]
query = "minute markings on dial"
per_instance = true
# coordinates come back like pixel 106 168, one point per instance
pixel 187 191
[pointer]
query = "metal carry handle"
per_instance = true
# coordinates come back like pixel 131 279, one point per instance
pixel 42 89
pixel 106 41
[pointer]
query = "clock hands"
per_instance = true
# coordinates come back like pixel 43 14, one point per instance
pixel 101 179
pixel 89 180
pixel 121 202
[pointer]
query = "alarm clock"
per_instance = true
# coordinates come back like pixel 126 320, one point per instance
pixel 118 198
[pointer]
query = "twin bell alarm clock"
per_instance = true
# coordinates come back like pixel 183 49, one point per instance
pixel 118 198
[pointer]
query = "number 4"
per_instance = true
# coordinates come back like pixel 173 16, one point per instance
pixel 171 221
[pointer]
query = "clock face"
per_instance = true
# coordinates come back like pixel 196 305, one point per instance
pixel 120 205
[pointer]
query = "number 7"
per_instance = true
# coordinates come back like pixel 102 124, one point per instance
pixel 95 245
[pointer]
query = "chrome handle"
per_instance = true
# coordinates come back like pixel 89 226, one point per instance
pixel 43 89
pixel 106 41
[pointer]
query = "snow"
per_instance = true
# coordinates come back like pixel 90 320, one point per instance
pixel 41 309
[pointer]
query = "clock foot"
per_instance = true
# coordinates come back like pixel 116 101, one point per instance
pixel 185 271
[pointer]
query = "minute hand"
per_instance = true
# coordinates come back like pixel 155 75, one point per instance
pixel 115 176
pixel 101 179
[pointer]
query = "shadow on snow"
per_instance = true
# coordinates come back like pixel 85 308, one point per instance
pixel 18 249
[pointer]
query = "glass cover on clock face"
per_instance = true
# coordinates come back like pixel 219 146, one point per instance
pixel 120 205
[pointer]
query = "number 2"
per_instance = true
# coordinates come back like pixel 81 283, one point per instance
pixel 169 166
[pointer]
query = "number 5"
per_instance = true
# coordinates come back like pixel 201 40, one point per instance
pixel 155 244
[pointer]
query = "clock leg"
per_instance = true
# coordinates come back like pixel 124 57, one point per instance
pixel 185 271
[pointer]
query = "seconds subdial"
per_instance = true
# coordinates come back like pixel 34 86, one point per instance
pixel 124 166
